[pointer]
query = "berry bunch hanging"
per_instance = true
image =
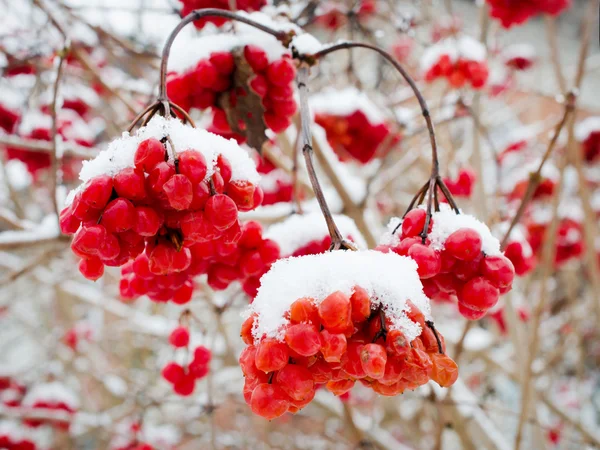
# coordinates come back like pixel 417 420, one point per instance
pixel 245 79
pixel 184 377
pixel 511 13
pixel 569 244
pixel 460 61
pixel 355 129
pixel 344 317
pixel 456 256
pixel 161 191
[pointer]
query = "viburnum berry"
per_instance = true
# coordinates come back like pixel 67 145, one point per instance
pixel 179 337
pixel 269 401
pixel 464 244
pixel 149 154
pixel 303 338
pixel 336 312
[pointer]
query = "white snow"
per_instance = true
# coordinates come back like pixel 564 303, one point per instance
pixel 586 127
pixel 188 49
pixel 389 279
pixel 120 153
pixel 517 234
pixel 51 392
pixel 523 50
pixel 306 44
pixel 464 47
pixel 301 229
pixel 343 102
pixel 446 222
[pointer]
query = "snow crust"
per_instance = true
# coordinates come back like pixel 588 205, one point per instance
pixel 301 229
pixel 52 392
pixel 446 222
pixel 120 153
pixel 188 50
pixel 306 44
pixel 389 279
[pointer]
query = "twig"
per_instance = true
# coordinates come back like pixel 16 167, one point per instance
pixel 337 240
pixel 56 158
pixel 536 177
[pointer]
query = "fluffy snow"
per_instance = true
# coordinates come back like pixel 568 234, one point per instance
pixel 52 392
pixel 306 44
pixel 120 153
pixel 345 102
pixel 465 47
pixel 446 222
pixel 301 229
pixel 586 127
pixel 188 50
pixel 389 279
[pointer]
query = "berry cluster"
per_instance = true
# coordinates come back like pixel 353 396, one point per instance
pixel 183 378
pixel 37 125
pixel 354 137
pixel 460 61
pixel 210 84
pixel 332 16
pixel 569 239
pixel 241 5
pixel 459 258
pixel 518 249
pixel 518 12
pixel 336 343
pixel 51 396
pixel 463 184
pixel 158 204
pixel 16 437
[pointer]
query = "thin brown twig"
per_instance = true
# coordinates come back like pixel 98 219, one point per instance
pixel 535 177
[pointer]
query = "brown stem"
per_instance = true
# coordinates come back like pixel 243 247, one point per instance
pixel 407 78
pixel 337 240
pixel 53 114
pixel 199 14
pixel 535 177
pixel 431 326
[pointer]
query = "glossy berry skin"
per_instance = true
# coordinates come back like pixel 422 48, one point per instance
pixel 464 244
pixel 149 154
pixel 479 294
pixel 303 339
pixel 428 260
pixel 335 312
pixel 269 401
pixel 413 223
pixel 333 346
pixel 271 355
pixel 296 381
pixel 360 304
pixel 373 358
pixel 499 270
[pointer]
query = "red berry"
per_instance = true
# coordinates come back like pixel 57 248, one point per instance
pixel 471 314
pixel 373 358
pixel 339 387
pixel 479 294
pixel 303 339
pixel 271 355
pixel 129 183
pixel 281 72
pixel 333 346
pixel 464 244
pixel 179 192
pixel 499 270
pixel 185 386
pixel 118 216
pixel 269 401
pixel 193 165
pixel 296 381
pixel 147 221
pixel 304 310
pixel 97 192
pixel 335 312
pixel 220 211
pixel 173 373
pixel 179 337
pixel 183 294
pixel 92 268
pixel 414 222
pixel 396 343
pixel 148 154
pixel 256 57
pixel 361 305
pixel 428 260
pixel 160 175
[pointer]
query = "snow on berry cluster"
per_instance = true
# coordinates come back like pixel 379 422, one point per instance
pixel 220 71
pixel 307 234
pixel 334 319
pixel 51 396
pixel 184 377
pixel 511 13
pixel 16 436
pixel 355 128
pixel 459 259
pixel 460 61
pixel 587 133
pixel 136 197
pixel 242 5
